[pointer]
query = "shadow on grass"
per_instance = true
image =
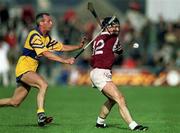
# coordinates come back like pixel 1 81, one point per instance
pixel 30 125
pixel 117 126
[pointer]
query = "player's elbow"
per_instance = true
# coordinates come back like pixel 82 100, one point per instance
pixel 49 55
pixel 46 53
pixel 14 103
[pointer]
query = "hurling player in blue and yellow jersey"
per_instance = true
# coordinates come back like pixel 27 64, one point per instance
pixel 38 43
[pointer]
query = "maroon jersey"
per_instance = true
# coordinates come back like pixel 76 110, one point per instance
pixel 104 47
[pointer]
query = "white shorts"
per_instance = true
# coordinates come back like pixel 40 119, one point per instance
pixel 99 77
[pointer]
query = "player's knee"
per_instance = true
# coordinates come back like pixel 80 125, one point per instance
pixel 44 85
pixel 121 100
pixel 15 103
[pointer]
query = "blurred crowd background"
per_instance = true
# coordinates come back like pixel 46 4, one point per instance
pixel 153 24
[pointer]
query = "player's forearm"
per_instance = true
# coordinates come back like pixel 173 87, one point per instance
pixel 71 47
pixel 52 56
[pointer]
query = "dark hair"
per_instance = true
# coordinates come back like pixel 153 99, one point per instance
pixel 39 17
pixel 107 19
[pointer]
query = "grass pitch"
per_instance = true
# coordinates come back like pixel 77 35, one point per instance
pixel 75 110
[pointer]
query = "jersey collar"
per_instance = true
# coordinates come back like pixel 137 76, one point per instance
pixel 38 30
pixel 105 32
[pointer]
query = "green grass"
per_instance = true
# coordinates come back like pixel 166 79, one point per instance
pixel 75 110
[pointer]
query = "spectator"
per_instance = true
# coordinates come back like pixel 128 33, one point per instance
pixel 11 39
pixel 28 15
pixel 177 61
pixel 4 67
pixel 67 28
pixel 161 30
pixel 136 18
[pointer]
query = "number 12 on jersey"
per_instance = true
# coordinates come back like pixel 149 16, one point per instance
pixel 98 47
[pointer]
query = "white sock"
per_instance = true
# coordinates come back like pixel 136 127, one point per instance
pixel 132 125
pixel 100 120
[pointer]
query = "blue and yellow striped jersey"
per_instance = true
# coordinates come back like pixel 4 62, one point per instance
pixel 35 44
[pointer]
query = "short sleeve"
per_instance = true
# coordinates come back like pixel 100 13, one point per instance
pixel 55 45
pixel 37 44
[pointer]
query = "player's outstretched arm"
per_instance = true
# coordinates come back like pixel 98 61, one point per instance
pixel 67 47
pixel 54 57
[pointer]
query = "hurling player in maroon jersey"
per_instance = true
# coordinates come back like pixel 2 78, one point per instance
pixel 105 46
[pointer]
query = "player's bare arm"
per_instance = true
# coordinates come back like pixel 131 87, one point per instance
pixel 67 47
pixel 54 57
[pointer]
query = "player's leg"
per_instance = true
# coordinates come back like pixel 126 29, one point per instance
pixel 112 92
pixel 99 78
pixel 19 95
pixel 104 112
pixel 106 108
pixel 35 80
